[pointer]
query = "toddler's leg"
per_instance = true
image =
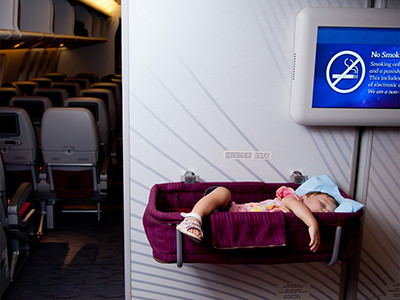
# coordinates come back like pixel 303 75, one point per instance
pixel 216 199
pixel 191 225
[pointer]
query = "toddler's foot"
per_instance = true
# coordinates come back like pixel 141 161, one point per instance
pixel 191 227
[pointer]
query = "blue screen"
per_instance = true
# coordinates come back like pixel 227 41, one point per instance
pixel 357 68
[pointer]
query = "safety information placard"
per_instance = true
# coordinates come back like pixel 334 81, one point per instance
pixel 393 291
pixel 289 291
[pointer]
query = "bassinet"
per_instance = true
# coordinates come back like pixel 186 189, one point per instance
pixel 243 238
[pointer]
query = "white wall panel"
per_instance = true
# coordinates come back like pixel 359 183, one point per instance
pixel 380 264
pixel 208 76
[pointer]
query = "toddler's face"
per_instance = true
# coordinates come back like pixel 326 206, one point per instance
pixel 319 203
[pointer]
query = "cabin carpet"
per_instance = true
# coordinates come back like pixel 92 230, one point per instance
pixel 80 259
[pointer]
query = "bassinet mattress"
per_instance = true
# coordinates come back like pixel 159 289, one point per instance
pixel 239 238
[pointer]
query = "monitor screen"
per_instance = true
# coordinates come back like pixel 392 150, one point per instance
pixel 9 125
pixel 35 109
pixel 357 68
pixel 56 97
pixel 90 106
pixel 102 96
pixel 346 68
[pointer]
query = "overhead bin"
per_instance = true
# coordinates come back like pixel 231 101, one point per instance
pixel 52 23
pixel 7 15
pixel 36 16
pixel 64 20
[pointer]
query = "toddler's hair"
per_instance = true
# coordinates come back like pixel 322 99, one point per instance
pixel 321 193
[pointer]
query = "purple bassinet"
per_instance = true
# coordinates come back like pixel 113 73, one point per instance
pixel 241 238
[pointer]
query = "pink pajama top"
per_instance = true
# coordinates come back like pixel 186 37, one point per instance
pixel 269 205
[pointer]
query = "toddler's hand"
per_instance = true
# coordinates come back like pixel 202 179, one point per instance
pixel 315 239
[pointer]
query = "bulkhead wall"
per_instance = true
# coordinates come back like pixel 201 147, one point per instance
pixel 206 77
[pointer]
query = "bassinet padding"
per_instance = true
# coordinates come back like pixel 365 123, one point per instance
pixel 248 230
pixel 167 200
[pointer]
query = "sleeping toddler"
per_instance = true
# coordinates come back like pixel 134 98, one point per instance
pixel 219 199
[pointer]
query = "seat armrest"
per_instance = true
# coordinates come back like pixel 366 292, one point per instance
pixel 104 182
pixel 43 173
pixel 17 202
pixel 113 152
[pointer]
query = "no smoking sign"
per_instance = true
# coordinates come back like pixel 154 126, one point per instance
pixel 345 71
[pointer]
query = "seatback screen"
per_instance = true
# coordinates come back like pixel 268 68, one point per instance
pixel 8 125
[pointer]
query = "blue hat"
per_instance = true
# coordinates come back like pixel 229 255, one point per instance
pixel 324 184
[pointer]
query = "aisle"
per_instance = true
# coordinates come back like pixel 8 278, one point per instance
pixel 80 259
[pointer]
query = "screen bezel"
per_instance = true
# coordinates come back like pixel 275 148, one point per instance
pixel 9 122
pixel 308 21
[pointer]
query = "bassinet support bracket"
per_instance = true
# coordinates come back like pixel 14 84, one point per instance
pixel 190 177
pixel 336 246
pixel 334 258
pixel 179 248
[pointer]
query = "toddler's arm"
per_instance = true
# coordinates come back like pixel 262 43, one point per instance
pixel 305 214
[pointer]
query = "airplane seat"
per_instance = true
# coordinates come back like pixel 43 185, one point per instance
pixel 42 81
pixel 56 77
pixel 56 95
pixel 72 88
pixel 83 82
pixel 107 78
pixel 110 77
pixel 70 149
pixel 108 97
pixel 4 270
pixel 6 93
pixel 35 106
pixel 9 84
pixel 91 76
pixel 113 87
pixel 17 217
pixel 118 82
pixel 18 146
pixel 26 87
pixel 117 78
pixel 99 110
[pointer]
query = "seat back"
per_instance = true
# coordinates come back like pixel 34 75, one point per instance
pixel 56 95
pixel 55 76
pixel 42 81
pixel 72 88
pixel 26 87
pixel 90 76
pixel 114 88
pixel 6 93
pixel 35 106
pixel 70 149
pixel 108 98
pixel 99 110
pixel 18 147
pixel 83 82
pixel 3 196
